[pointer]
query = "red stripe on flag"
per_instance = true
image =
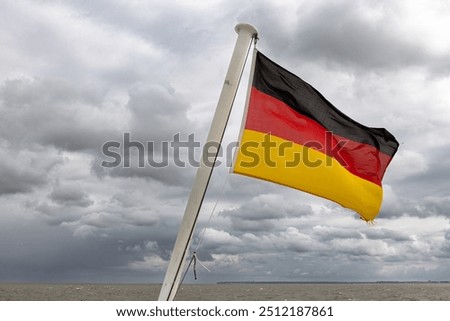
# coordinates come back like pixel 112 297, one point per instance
pixel 267 114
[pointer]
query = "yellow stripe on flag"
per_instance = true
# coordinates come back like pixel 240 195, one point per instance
pixel 283 162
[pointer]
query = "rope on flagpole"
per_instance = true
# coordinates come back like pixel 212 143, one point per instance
pixel 219 198
pixel 194 258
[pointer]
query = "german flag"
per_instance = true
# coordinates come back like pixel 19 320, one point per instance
pixel 295 137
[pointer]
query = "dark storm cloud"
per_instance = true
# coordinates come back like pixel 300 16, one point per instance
pixel 432 179
pixel 58 256
pixel 85 214
pixel 15 179
pixel 182 29
pixel 71 195
pixel 385 234
pixel 444 250
pixel 327 234
pixel 421 190
pixel 23 170
pixel 338 33
pixel 365 35
pixel 263 208
pixel 263 213
pixel 170 175
pixel 157 114
pixel 56 214
pixel 52 112
pixel 63 115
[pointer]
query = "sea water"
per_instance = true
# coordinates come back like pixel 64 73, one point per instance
pixel 230 292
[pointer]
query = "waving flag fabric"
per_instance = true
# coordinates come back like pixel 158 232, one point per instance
pixel 295 137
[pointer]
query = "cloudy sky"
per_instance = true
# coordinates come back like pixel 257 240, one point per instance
pixel 77 74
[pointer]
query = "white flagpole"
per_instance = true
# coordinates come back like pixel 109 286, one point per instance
pixel 174 271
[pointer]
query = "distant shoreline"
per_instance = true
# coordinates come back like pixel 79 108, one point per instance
pixel 326 282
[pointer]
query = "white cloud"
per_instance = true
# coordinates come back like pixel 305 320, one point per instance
pixel 407 163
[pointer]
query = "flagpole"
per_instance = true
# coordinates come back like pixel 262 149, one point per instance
pixel 174 271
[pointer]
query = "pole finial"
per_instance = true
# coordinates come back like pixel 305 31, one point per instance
pixel 245 27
